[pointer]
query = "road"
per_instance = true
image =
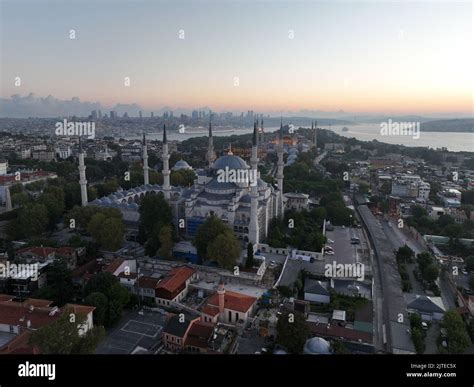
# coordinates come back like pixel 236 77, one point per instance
pixel 389 297
pixel 398 238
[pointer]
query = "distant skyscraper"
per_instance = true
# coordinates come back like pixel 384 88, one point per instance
pixel 94 114
pixel 195 114
pixel 82 175
pixel 113 114
pixel 140 114
pixel 152 115
pixel 100 115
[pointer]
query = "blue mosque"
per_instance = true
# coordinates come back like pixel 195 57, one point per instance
pixel 247 206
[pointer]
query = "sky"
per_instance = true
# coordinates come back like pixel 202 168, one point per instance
pixel 361 57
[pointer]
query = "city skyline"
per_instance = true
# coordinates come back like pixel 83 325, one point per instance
pixel 363 58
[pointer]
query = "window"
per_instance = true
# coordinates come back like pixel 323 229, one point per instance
pixel 236 317
pixel 12 329
pixel 230 316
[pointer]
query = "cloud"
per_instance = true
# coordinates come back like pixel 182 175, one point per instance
pixel 18 106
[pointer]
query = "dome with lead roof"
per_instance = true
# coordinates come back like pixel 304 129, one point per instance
pixel 231 162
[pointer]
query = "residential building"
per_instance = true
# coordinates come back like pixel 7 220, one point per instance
pixel 174 287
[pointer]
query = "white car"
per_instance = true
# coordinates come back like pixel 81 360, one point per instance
pixel 329 252
pixel 330 241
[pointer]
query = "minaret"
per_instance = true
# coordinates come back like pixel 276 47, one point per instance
pixel 166 166
pixel 262 133
pixel 146 179
pixel 221 298
pixel 8 199
pixel 210 148
pixel 253 226
pixel 315 138
pixel 82 175
pixel 280 165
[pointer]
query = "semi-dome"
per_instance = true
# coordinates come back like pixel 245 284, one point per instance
pixel 231 162
pixel 220 186
pixel 317 346
pixel 181 164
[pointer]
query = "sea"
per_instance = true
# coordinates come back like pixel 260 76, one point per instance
pixel 455 142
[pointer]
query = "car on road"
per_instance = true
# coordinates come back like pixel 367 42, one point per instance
pixel 330 240
pixel 424 326
pixel 355 241
pixel 329 252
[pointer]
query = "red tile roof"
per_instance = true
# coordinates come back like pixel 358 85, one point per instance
pixel 114 265
pixel 19 313
pixel 335 330
pixel 36 302
pixel 210 310
pixel 11 313
pixel 79 309
pixel 199 335
pixel 19 345
pixel 148 282
pixel 39 251
pixel 6 297
pixel 233 301
pixel 176 278
pixel 66 250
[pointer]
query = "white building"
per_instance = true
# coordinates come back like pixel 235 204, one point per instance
pixel 228 307
pixel 3 167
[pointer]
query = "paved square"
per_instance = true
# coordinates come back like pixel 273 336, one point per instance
pixel 133 330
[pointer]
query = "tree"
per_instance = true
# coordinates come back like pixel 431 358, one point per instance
pixel 292 332
pixel 431 273
pixel 224 249
pixel 458 339
pixel 418 340
pixel 59 288
pixel 117 296
pixel 53 199
pixel 106 231
pixel 99 300
pixel 424 259
pixel 418 211
pixel 469 261
pixel 111 237
pixel 471 281
pixel 338 348
pixel 152 244
pixel 182 177
pixel 206 233
pixel 33 219
pixel 166 242
pixel 286 291
pixel 405 254
pixel 62 336
pixel 155 212
pixel 250 261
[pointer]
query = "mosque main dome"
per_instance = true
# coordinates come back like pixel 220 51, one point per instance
pixel 231 162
